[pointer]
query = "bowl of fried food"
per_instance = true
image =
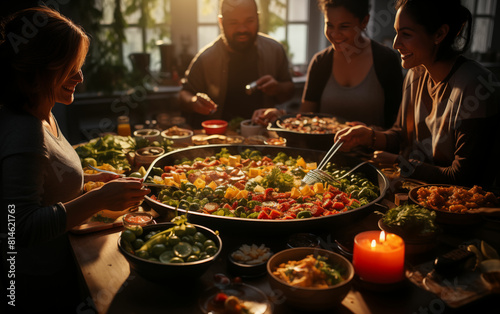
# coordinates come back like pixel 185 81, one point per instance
pixel 454 204
pixel 311 279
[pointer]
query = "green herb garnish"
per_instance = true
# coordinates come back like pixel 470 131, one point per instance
pixel 413 218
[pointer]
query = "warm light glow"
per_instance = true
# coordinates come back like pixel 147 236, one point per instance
pixel 382 237
pixel 379 262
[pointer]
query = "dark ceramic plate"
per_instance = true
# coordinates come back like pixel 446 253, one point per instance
pixel 301 139
pixel 442 216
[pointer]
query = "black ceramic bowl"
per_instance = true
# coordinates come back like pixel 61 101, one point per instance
pixel 158 271
pixel 304 140
pixel 415 243
pixel 443 216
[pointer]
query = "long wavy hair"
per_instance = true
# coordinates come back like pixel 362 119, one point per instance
pixel 39 50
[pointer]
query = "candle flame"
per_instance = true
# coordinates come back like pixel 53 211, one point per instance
pixel 382 237
pixel 374 243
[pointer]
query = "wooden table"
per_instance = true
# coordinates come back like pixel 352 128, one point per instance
pixel 114 288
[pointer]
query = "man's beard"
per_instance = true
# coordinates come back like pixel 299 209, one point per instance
pixel 240 46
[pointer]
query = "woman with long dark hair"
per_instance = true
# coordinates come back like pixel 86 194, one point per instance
pixel 447 129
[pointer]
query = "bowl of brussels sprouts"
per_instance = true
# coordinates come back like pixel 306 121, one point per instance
pixel 170 250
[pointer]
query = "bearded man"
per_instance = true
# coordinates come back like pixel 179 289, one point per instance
pixel 214 84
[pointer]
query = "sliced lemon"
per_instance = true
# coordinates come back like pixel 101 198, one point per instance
pixel 488 251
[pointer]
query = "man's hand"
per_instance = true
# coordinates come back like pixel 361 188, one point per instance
pixel 268 85
pixel 202 104
pixel 266 115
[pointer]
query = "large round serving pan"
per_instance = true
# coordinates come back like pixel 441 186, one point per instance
pixel 304 140
pixel 295 225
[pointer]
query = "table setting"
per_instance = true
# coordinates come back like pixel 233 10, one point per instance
pixel 382 246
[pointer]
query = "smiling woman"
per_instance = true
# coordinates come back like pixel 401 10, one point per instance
pixel 356 78
pixel 41 178
pixel 449 112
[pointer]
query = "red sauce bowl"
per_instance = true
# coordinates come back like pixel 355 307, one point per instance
pixel 214 126
pixel 137 219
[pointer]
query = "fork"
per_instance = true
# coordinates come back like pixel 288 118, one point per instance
pixel 105 171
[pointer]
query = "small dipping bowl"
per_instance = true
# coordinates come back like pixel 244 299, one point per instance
pixel 214 126
pixel 303 240
pixel 248 129
pixel 250 268
pixel 132 220
pixel 145 156
pixel 392 172
pixel 179 138
pixel 245 270
pixel 279 141
pixel 149 134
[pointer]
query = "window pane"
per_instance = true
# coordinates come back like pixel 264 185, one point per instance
pixel 161 11
pixel 206 34
pixel 279 34
pixel 297 42
pixel 107 7
pixel 132 18
pixel 133 44
pixel 486 7
pixel 278 7
pixel 153 35
pixel 481 35
pixel 469 4
pixel 298 10
pixel 207 11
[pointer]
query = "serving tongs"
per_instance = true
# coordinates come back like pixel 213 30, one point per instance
pixel 318 175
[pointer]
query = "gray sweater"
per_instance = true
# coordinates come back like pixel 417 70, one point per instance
pixel 449 132
pixel 39 172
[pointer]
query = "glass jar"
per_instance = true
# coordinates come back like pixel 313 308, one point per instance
pixel 123 127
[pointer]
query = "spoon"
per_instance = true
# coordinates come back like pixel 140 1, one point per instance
pixel 150 184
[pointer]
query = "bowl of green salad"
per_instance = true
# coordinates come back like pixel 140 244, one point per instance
pixel 414 223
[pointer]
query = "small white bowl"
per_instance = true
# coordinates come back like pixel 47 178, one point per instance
pixel 179 137
pixel 150 134
pixel 249 129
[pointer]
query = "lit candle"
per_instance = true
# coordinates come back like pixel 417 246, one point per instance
pixel 379 257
